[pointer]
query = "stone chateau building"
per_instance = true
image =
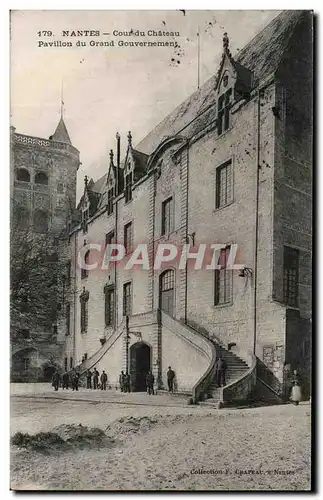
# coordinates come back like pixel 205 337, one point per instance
pixel 231 165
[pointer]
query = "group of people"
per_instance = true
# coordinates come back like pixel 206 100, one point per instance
pixel 66 380
pixel 99 382
pixel 72 380
pixel 124 382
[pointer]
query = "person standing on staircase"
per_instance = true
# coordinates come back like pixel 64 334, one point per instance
pixel 220 368
pixel 170 379
pixel 122 381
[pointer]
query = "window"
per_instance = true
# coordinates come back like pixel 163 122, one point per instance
pixel 223 279
pixel 41 178
pixel 166 297
pixel 84 316
pixel 71 362
pixel 60 188
pixel 65 364
pixel 25 333
pixel 224 111
pixel 110 201
pixel 68 319
pixel 26 364
pixel 85 216
pixel 109 305
pixel 40 221
pixel 128 188
pixel 127 237
pixel 85 356
pixel 223 185
pixel 22 175
pixel 291 266
pixel 167 216
pixel 127 299
pixel 109 238
pixel 85 272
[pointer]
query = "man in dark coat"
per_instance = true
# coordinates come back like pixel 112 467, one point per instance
pixel 122 381
pixel 89 379
pixel 103 380
pixel 95 378
pixel 127 384
pixel 170 379
pixel 150 379
pixel 56 380
pixel 65 380
pixel 220 367
pixel 75 381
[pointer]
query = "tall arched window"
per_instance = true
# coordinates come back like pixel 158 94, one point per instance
pixel 166 291
pixel 40 221
pixel 22 175
pixel 41 178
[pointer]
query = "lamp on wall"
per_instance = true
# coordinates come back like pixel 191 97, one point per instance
pixel 192 237
pixel 245 272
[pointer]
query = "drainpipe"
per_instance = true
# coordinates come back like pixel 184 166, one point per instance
pixel 186 238
pixel 116 231
pixel 153 242
pixel 256 225
pixel 74 299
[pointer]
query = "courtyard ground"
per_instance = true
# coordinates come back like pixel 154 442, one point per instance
pixel 160 443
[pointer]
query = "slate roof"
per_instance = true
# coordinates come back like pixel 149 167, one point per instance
pixel 262 56
pixel 61 133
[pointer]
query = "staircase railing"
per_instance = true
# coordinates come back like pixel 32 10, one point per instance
pixel 97 356
pixel 201 343
pixel 242 388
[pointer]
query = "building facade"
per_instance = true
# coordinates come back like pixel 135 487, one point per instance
pixel 232 165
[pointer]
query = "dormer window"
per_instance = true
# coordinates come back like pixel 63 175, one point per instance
pixel 224 111
pixel 110 201
pixel 85 217
pixel 128 187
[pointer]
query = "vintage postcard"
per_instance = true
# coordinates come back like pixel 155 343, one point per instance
pixel 161 242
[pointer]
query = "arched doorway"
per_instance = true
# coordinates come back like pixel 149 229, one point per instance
pixel 166 291
pixel 140 365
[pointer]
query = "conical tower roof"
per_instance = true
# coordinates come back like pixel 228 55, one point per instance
pixel 61 133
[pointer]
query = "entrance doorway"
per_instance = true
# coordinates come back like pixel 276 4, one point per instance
pixel 140 365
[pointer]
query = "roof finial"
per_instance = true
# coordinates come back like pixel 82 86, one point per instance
pixel 85 181
pixel 117 135
pixel 225 41
pixel 111 156
pixel 129 138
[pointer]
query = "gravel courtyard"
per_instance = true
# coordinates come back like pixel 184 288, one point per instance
pixel 160 443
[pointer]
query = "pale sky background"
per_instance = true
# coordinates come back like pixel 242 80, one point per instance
pixel 108 89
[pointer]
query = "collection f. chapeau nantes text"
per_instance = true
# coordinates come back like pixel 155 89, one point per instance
pixel 76 35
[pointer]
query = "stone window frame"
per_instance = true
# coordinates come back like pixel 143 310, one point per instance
pixel 167 225
pixel 223 111
pixel 84 316
pixel 229 185
pixel 128 182
pixel 127 311
pixel 128 241
pixel 41 174
pixel 228 278
pixel 22 169
pixel 109 293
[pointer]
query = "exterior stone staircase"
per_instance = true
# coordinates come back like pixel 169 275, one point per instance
pixel 240 378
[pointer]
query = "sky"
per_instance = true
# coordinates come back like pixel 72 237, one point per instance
pixel 110 89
